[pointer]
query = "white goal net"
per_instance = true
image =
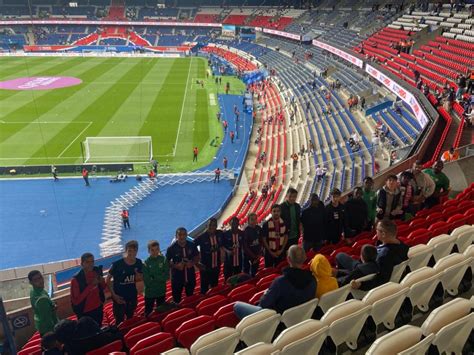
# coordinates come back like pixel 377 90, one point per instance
pixel 118 149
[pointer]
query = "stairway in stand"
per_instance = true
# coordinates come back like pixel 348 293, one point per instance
pixel 117 10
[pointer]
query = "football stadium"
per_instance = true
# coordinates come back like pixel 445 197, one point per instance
pixel 236 177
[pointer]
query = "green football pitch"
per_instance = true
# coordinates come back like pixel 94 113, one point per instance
pixel 118 97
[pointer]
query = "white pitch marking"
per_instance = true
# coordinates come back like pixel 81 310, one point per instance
pixel 182 108
pixel 75 139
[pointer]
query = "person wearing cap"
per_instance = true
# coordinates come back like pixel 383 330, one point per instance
pixel 334 217
pixel 312 221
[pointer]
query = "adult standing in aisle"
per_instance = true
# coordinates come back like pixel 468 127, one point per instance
pixel 209 244
pixel 85 176
pixel 182 256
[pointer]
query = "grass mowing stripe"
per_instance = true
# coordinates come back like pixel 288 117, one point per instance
pixel 39 98
pixel 129 120
pixel 23 66
pixel 55 97
pixel 163 118
pixel 201 118
pixel 101 109
pixel 52 71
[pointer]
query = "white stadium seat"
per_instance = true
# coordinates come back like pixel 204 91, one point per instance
pixel 257 349
pixel 422 284
pixel 419 256
pixel 449 313
pixel 359 294
pixel 176 351
pixel 464 237
pixel 452 337
pixel 258 327
pixel 452 269
pixel 386 300
pixel 346 321
pixel 299 313
pixel 404 340
pixel 306 337
pixel 334 297
pixel 220 341
pixel 398 271
pixel 442 245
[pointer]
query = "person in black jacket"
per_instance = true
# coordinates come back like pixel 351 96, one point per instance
pixel 80 337
pixel 290 213
pixel 296 286
pixel 334 218
pixel 312 221
pixel 366 266
pixel 390 253
pixel 355 214
pixel 209 243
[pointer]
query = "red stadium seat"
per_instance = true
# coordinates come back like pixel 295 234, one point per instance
pixel 440 227
pixel 158 317
pixel 158 348
pixel 265 272
pixel 105 350
pixel 165 339
pixel 210 305
pixel 466 204
pixel 266 281
pixel 450 203
pixel 192 329
pixel 191 301
pixel 282 265
pixel 242 293
pixel 140 332
pixel 456 221
pixel 403 230
pixel 128 324
pixel 256 298
pixel 418 223
pixel 450 211
pixel 470 215
pixel 422 213
pixel 219 290
pixel 225 316
pixel 173 320
pixel 435 217
pixel 420 236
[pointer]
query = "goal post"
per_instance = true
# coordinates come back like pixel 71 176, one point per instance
pixel 138 149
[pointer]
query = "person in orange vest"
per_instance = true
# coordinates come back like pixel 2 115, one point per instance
pixel 125 219
pixel 224 161
pixel 450 155
pixel 195 154
pixel 217 175
pixel 85 176
pixel 232 135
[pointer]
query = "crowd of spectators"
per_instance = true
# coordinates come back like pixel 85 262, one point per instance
pixel 237 253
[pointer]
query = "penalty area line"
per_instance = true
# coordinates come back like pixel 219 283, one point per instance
pixel 75 139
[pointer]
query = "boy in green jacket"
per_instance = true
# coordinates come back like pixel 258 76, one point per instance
pixel 44 308
pixel 155 275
